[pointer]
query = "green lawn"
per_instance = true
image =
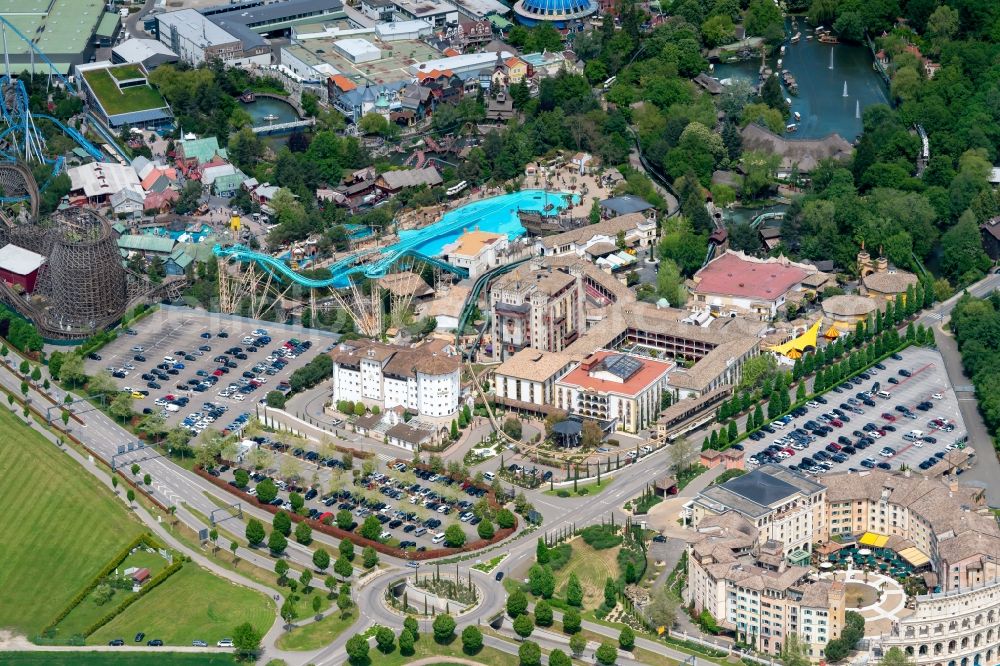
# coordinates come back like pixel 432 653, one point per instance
pixel 125 72
pixel 60 528
pixel 317 634
pixel 115 101
pixel 592 567
pixel 582 489
pixel 192 604
pixel 87 612
pixel 115 659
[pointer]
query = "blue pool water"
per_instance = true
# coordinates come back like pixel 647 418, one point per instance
pixel 496 215
pixel 195 235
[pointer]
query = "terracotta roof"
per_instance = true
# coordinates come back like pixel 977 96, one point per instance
pixel 343 83
pixel 648 372
pixel 609 227
pixel 741 277
pixel 471 243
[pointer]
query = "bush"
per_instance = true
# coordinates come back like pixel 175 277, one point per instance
pixel 523 625
pixel 626 639
pixel 606 654
pixel 600 537
pixel 505 519
pixel 444 628
pixel 543 614
pixel 529 654
pixel 571 621
pixel 312 373
pixel 276 399
pixel 472 640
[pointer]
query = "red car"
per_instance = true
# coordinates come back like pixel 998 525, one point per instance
pixel 888 417
pixel 837 423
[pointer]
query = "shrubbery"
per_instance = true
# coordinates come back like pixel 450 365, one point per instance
pixel 600 537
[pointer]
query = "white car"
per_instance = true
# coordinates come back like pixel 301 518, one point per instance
pixel 239 397
pixel 937 396
pixel 160 402
pixel 172 407
pixel 169 359
pixel 225 642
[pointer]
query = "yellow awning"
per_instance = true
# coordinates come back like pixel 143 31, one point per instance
pixel 873 539
pixel 794 354
pixel 804 342
pixel 832 333
pixel 914 556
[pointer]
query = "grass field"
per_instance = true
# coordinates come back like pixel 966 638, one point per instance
pixel 88 612
pixel 115 659
pixel 115 101
pixel 59 526
pixel 592 567
pixel 317 634
pixel 192 604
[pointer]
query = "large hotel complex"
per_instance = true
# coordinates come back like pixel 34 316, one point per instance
pixel 753 540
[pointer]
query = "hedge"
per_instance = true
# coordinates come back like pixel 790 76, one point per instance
pixel 153 582
pixel 145 538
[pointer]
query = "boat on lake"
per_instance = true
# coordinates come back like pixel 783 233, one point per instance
pixel 798 116
pixel 791 128
pixel 796 37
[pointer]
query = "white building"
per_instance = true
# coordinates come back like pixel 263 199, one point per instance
pixel 608 386
pixel 436 12
pixel 466 63
pixel 425 380
pixel 633 229
pixel 477 251
pixel 99 181
pixel 195 39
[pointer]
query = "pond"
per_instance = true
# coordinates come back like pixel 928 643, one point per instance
pixel 836 83
pixel 266 111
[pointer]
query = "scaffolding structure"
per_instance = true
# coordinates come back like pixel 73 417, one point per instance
pixel 365 310
pixel 241 283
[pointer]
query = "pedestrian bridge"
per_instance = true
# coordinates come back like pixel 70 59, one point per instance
pixel 281 128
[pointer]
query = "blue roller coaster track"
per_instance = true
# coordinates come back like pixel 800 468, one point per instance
pixel 22 139
pixel 340 272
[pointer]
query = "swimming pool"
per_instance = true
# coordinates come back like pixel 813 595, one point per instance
pixel 195 235
pixel 496 214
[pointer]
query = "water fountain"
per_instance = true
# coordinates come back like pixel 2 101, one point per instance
pixel 831 58
pixel 857 108
pixel 845 89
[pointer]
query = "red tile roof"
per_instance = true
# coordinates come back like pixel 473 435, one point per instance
pixel 732 275
pixel 649 372
pixel 343 83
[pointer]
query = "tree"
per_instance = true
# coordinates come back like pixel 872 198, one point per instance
pixel 357 649
pixel 254 532
pixel 369 558
pixel 543 614
pixel 305 578
pixel 121 407
pixel 444 628
pixel 296 500
pixel 277 542
pixel 670 283
pixel 559 658
pixel 962 256
pixel 577 644
pixel 662 609
pixel 606 654
pixel 896 657
pixel 454 536
pixel 794 652
pixel 529 654
pixel 454 430
pixel 246 640
pixel 541 581
pixel 571 621
pixel 505 519
pixel 610 592
pixel 517 603
pixel 282 523
pixel 574 591
pixel 385 640
pixel 346 548
pixel 281 568
pixel 626 639
pixel 343 602
pixel 485 529
pixel 512 428
pixel 344 520
pixel 71 371
pixel 303 534
pixel 321 559
pixel 241 477
pixel 371 528
pixel 524 625
pixel 406 641
pixel 472 640
pixel 342 567
pixel 288 611
pixel 130 495
pixel 410 624
pixel 189 198
pixel 267 491
pixel 680 454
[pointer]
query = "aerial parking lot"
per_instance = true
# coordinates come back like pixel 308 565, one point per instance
pixel 413 506
pixel 195 367
pixel 903 414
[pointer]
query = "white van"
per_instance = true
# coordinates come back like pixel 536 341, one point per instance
pixel 913 435
pixel 885 395
pixel 489 476
pixel 438 538
pixel 420 531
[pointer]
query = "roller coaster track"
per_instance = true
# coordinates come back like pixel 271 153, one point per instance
pixel 763 217
pixel 477 289
pixel 340 272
